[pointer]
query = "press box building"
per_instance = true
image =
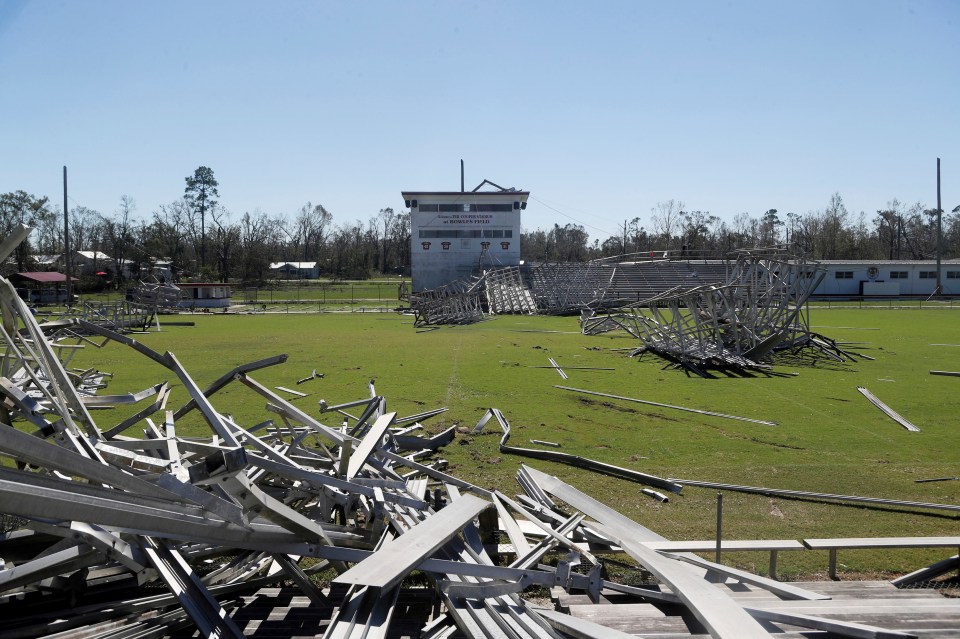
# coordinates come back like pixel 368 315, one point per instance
pixel 455 233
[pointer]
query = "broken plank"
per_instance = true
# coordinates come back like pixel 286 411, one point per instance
pixel 291 391
pixel 720 615
pixel 579 628
pixel 388 566
pixel 842 628
pixel 889 412
pixel 781 589
pixel 512 528
pixel 368 444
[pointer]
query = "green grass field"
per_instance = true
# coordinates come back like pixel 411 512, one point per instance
pixel 829 438
pixel 380 291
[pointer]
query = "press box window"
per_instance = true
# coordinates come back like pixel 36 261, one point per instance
pixel 465 208
pixel 463 233
pixel 953 275
pixel 899 275
pixel 928 275
pixel 843 275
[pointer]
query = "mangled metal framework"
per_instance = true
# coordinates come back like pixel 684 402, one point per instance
pixel 569 288
pixel 564 288
pixel 136 530
pixel 155 293
pixel 505 292
pixel 119 316
pixel 544 289
pixel 457 303
pixel 761 308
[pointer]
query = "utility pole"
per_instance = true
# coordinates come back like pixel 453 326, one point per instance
pixel 66 240
pixel 939 228
pixel 899 233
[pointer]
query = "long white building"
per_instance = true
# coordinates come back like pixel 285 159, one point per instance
pixel 873 278
pixel 454 233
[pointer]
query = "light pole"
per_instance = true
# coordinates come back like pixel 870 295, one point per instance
pixel 939 228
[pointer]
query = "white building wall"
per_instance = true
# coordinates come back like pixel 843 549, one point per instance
pixel 916 278
pixel 454 234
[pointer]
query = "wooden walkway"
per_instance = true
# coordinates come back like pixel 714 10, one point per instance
pixel 274 613
pixel 924 613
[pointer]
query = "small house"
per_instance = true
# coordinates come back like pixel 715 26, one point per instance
pixel 295 270
pixel 204 295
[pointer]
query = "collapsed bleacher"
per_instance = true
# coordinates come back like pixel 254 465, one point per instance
pixel 634 282
pixel 562 288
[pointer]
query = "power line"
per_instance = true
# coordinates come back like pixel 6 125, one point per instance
pixel 556 210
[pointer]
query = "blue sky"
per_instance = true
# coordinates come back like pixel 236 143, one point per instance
pixel 601 110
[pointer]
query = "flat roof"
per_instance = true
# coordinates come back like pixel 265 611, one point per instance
pixel 44 277
pixel 406 194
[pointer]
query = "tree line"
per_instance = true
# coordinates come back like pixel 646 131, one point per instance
pixel 202 240
pixel 898 231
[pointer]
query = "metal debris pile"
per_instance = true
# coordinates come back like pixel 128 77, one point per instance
pixel 119 316
pixel 759 286
pixel 761 308
pixel 456 303
pixel 553 288
pixel 506 292
pixel 155 293
pixel 563 288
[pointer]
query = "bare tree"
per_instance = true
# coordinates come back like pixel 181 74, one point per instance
pixel 226 236
pixel 918 232
pixel 834 228
pixel 793 220
pixel 257 241
pixel 116 233
pixel 86 228
pixel 310 230
pixel 889 228
pixel 169 233
pixel 384 222
pixel 744 230
pixel 665 217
